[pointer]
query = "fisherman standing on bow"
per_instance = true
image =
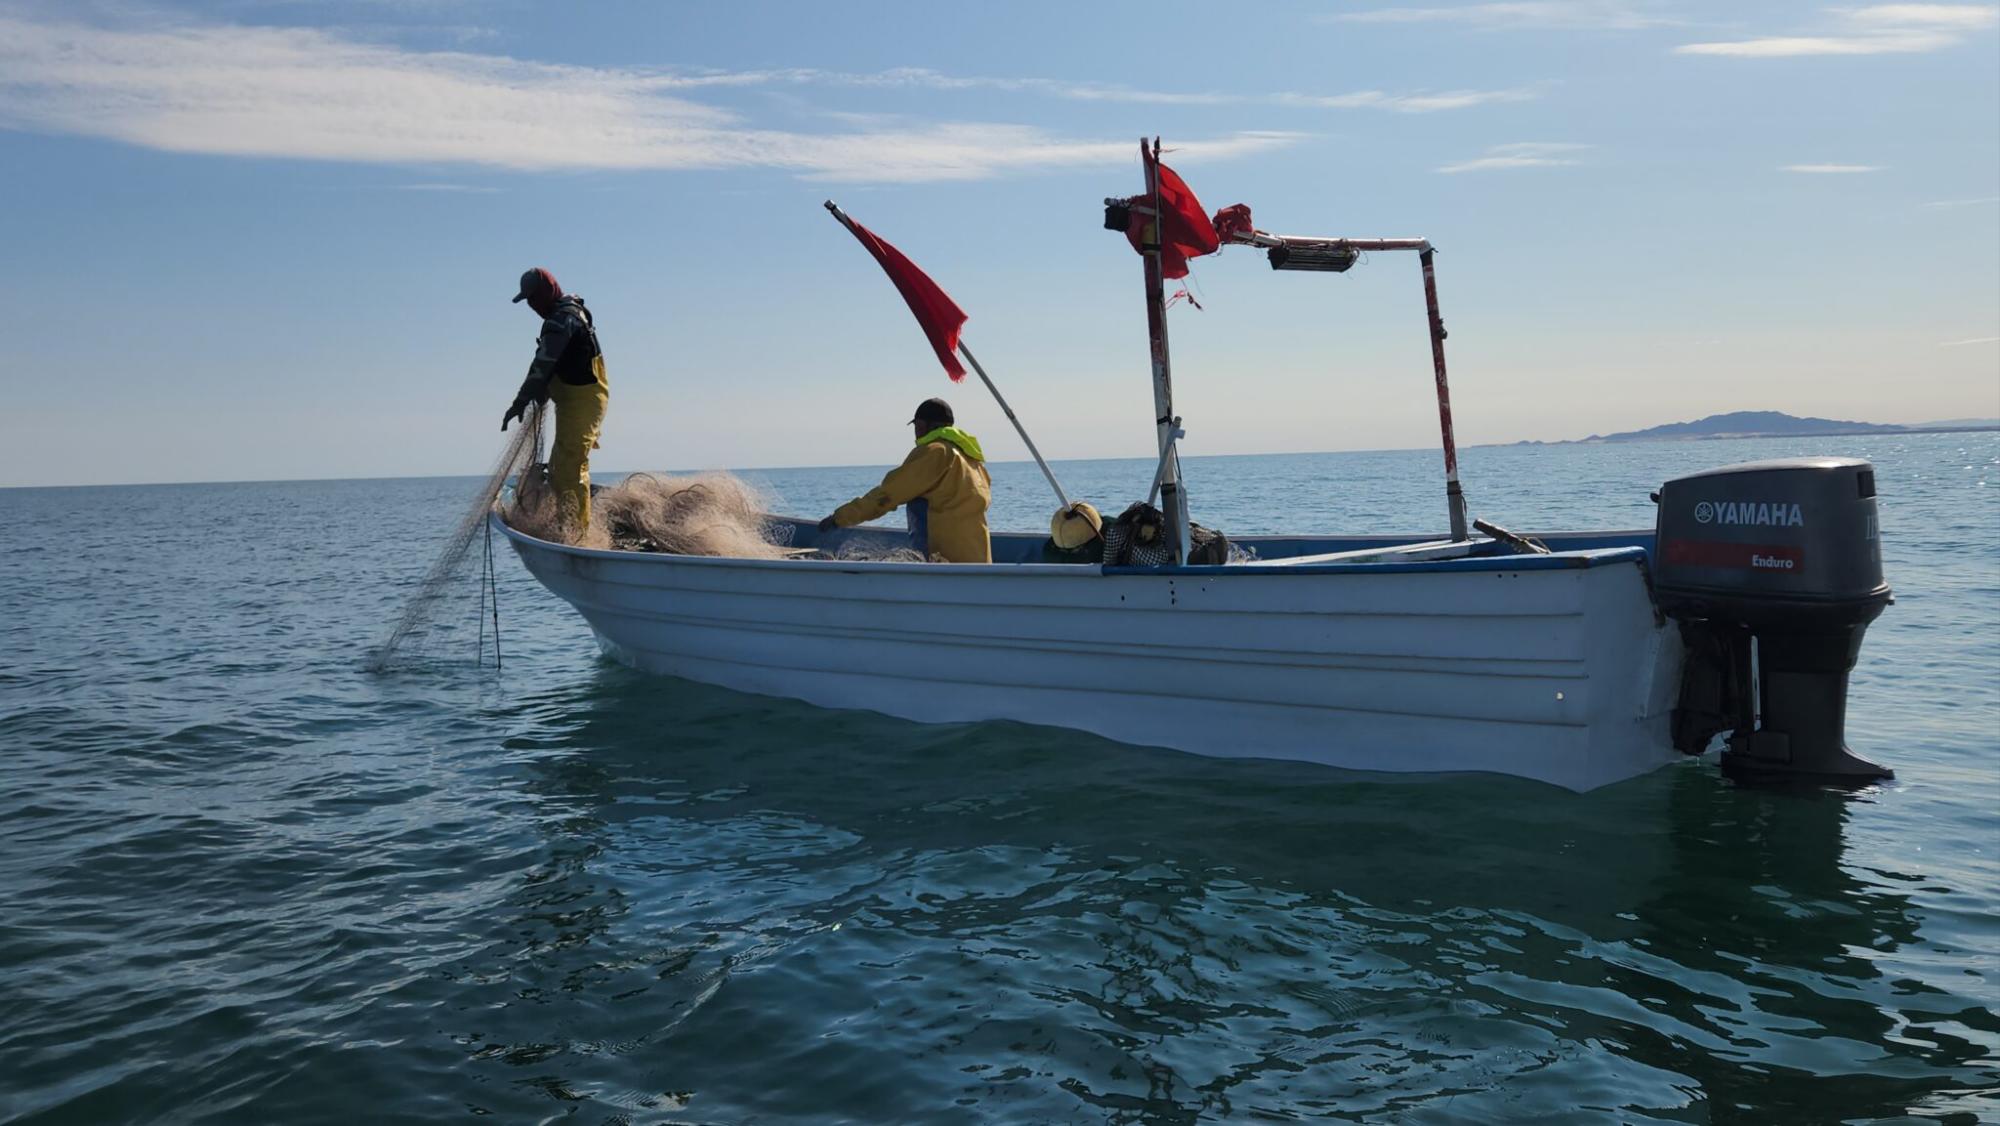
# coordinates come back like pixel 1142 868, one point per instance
pixel 568 369
pixel 943 485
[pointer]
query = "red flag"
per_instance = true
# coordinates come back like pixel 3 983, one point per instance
pixel 1186 230
pixel 1233 220
pixel 936 312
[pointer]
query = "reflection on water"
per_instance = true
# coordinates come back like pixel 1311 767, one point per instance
pixel 1032 924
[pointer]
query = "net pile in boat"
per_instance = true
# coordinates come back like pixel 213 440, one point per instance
pixel 860 550
pixel 697 514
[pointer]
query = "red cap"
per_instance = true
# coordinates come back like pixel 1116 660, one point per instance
pixel 538 284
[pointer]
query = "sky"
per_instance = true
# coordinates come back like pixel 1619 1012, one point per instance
pixel 266 239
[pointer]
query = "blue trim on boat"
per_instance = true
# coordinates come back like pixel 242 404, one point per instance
pixel 1621 551
pixel 1565 560
pixel 1026 547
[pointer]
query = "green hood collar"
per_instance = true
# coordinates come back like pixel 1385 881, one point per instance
pixel 966 443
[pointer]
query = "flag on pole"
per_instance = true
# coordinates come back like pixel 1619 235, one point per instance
pixel 1185 231
pixel 938 315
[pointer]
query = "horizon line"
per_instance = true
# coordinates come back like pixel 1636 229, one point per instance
pixel 1592 440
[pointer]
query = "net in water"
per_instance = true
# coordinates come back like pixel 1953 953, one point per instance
pixel 417 629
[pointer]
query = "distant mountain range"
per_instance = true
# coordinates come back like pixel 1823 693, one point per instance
pixel 1774 424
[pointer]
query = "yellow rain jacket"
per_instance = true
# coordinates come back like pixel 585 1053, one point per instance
pixel 946 478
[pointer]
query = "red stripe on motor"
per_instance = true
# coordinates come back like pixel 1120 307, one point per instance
pixel 1746 556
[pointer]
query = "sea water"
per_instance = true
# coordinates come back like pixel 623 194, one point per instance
pixel 243 880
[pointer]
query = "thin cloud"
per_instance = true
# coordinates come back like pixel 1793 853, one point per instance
pixel 1795 46
pixel 924 78
pixel 1974 340
pixel 1882 29
pixel 1967 16
pixel 1538 15
pixel 1525 154
pixel 1983 200
pixel 1831 169
pixel 308 94
pixel 1406 103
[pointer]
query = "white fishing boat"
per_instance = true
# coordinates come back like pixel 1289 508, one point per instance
pixel 1578 659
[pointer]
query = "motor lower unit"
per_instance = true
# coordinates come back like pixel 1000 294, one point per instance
pixel 1773 571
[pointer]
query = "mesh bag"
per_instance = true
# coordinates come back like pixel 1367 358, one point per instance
pixel 1138 538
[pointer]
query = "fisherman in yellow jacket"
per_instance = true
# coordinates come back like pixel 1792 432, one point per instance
pixel 944 486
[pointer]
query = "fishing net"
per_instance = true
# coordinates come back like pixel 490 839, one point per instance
pixel 694 514
pixel 419 629
pixel 876 551
pixel 697 514
pixel 713 514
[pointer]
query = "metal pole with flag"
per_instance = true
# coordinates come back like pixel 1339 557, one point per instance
pixel 941 319
pixel 1155 240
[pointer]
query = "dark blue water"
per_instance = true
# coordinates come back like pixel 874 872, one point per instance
pixel 241 880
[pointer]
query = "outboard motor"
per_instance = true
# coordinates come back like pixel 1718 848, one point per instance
pixel 1773 570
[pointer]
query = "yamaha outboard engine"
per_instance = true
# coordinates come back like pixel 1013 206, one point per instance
pixel 1773 570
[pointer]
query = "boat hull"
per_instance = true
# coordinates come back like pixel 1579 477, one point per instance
pixel 1547 668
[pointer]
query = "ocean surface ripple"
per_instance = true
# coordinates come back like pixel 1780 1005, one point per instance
pixel 245 880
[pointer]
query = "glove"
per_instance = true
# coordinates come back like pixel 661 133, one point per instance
pixel 827 525
pixel 518 410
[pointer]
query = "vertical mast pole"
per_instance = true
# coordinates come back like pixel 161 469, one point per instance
pixel 1173 500
pixel 1453 495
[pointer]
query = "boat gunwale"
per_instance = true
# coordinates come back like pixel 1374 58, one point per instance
pixel 1579 559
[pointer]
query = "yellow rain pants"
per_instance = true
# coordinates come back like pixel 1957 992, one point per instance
pixel 579 418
